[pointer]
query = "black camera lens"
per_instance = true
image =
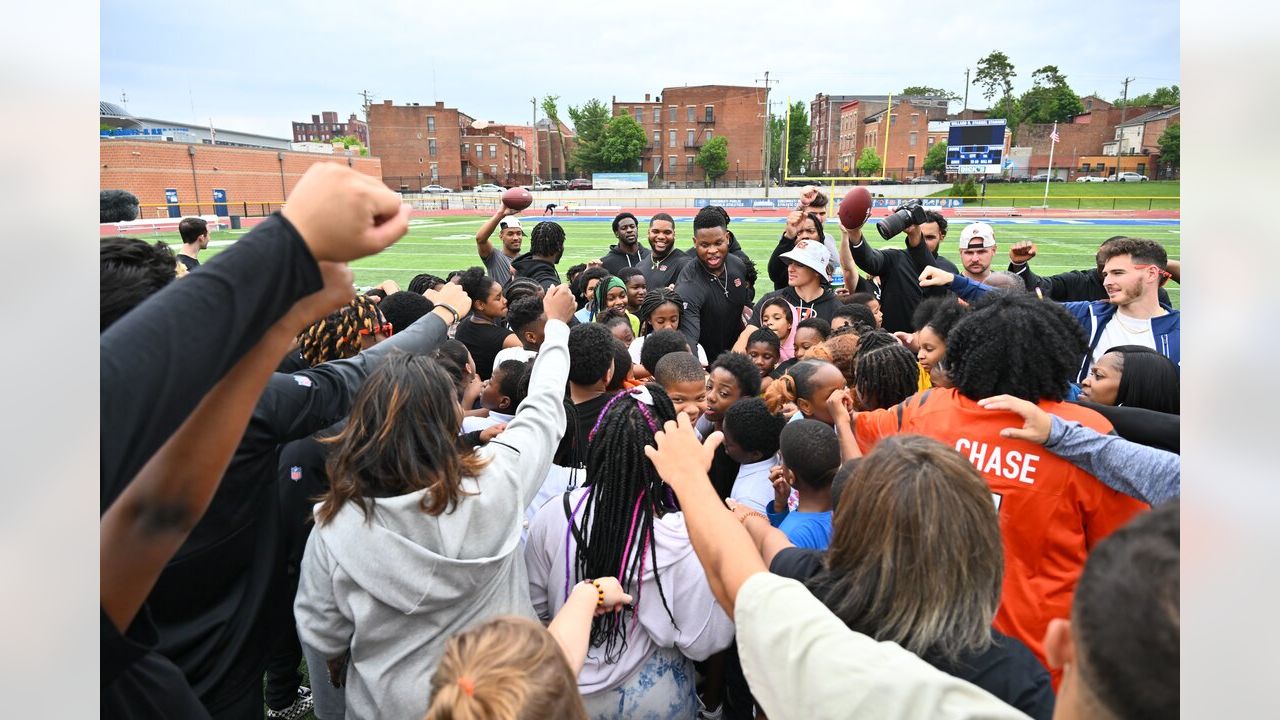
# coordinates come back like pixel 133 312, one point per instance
pixel 894 223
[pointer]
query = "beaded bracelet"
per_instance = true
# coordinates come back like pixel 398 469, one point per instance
pixel 600 590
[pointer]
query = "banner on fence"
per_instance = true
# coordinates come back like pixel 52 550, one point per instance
pixel 619 181
pixel 790 203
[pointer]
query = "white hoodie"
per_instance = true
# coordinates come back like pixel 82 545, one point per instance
pixel 395 587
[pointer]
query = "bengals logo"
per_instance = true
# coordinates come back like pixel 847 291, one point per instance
pixel 737 282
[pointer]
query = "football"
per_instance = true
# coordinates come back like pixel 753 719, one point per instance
pixel 855 208
pixel 517 198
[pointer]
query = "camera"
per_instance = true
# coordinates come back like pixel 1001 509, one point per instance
pixel 908 213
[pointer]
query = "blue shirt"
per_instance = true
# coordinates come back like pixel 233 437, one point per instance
pixel 804 529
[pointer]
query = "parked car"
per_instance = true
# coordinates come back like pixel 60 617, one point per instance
pixel 436 189
pixel 1045 176
pixel 579 184
pixel 1091 178
pixel 488 188
pixel 559 184
pixel 922 180
pixel 1129 177
pixel 542 185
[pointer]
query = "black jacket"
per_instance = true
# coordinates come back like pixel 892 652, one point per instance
pixel 615 260
pixel 713 306
pixel 1140 425
pixel 899 272
pixel 155 367
pixel 666 271
pixel 536 269
pixel 825 306
pixel 778 268
pixel 215 599
pixel 1069 286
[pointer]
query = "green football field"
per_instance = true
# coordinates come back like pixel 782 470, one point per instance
pixel 439 244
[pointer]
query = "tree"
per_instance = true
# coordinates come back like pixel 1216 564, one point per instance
pixel 927 91
pixel 869 164
pixel 995 75
pixel 552 112
pixel 1050 99
pixel 1160 96
pixel 622 144
pixel 776 128
pixel 589 123
pixel 713 158
pixel 798 140
pixel 935 161
pixel 1170 144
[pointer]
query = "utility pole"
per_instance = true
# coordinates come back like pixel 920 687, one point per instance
pixel 1124 111
pixel 124 100
pixel 966 90
pixel 537 156
pixel 768 115
pixel 366 95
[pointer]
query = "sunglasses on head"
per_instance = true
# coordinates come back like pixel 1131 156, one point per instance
pixel 383 329
pixel 1142 266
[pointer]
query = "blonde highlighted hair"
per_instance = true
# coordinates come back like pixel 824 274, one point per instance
pixel 509 668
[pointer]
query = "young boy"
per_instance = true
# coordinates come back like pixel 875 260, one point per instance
pixel 810 458
pixel 500 396
pixel 682 376
pixel 751 440
pixel 764 349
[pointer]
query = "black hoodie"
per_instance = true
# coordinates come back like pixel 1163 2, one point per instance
pixel 615 260
pixel 825 306
pixel 536 269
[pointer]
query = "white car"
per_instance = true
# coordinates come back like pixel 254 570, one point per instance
pixel 1130 177
pixel 436 189
pixel 489 188
pixel 1091 178
pixel 540 185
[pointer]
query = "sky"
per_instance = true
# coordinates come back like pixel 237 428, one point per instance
pixel 256 67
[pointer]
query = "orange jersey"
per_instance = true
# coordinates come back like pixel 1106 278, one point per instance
pixel 1051 512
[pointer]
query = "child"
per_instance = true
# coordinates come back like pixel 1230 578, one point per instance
pixel 662 309
pixel 682 377
pixel 729 379
pixel 809 334
pixel 611 294
pixel 777 315
pixel 637 288
pixel 500 396
pixel 866 298
pixel 852 314
pixel 619 324
pixel 622 378
pixel 751 440
pixel 807 386
pixel 764 349
pixel 512 667
pixel 884 377
pixel 810 458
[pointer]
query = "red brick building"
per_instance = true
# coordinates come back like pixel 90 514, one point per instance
pixel 907 128
pixel 255 180
pixel 325 127
pixel 1086 135
pixel 826 129
pixel 420 145
pixel 680 120
pixel 493 153
pixel 554 146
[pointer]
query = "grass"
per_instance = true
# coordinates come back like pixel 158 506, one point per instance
pixel 438 245
pixel 1162 195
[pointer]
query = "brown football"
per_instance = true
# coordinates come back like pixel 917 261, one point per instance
pixel 517 198
pixel 855 208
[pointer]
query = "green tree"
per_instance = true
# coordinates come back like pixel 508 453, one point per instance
pixel 348 141
pixel 868 164
pixel 1160 96
pixel 798 139
pixel 927 91
pixel 1170 144
pixel 713 158
pixel 995 76
pixel 935 161
pixel 776 128
pixel 1050 99
pixel 589 123
pixel 622 144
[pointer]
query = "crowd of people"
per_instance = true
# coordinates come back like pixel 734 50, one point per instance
pixel 660 486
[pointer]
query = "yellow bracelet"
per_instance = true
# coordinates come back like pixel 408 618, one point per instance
pixel 600 590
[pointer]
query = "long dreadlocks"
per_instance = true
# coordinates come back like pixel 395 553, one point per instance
pixel 624 496
pixel 337 336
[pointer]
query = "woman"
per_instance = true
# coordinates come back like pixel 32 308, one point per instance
pixel 611 294
pixel 917 506
pixel 1133 376
pixel 482 330
pixel 417 539
pixel 624 522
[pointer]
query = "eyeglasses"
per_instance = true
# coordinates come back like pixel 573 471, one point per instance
pixel 383 329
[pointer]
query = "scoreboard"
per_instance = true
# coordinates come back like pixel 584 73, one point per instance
pixel 975 147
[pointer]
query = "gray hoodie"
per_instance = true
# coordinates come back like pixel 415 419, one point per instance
pixel 394 588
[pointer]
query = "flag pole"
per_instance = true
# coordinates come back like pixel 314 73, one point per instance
pixel 1049 175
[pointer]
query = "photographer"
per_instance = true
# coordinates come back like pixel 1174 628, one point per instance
pixel 899 270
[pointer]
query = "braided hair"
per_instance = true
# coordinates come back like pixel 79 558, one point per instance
pixel 795 384
pixel 337 335
pixel 546 239
pixel 885 377
pixel 521 287
pixel 624 497
pixel 655 299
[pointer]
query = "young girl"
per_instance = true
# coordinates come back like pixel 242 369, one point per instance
pixel 624 522
pixel 807 385
pixel 662 309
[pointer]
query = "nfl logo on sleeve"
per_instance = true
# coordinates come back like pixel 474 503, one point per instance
pixel 295 473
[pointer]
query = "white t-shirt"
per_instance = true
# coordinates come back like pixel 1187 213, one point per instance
pixel 1124 331
pixel 637 344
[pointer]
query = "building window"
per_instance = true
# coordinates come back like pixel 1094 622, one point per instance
pixel 671 138
pixel 688 163
pixel 479 150
pixel 435 172
pixel 493 170
pixel 431 123
pixel 671 163
pixel 893 119
pixel 639 114
pixel 710 115
pixel 431 147
pixel 911 140
pixel 672 114
pixel 1142 168
pixel 493 151
pixel 931 141
pixel 911 162
pixel 466 148
pixel 657 137
pixel 420 160
pixel 657 115
pixel 692 112
pixel 915 118
pixel 708 137
pixel 688 138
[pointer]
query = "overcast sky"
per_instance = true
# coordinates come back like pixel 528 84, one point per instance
pixel 257 66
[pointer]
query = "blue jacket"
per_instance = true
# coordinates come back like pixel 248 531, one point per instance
pixel 1093 317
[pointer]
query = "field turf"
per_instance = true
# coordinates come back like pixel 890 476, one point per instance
pixel 440 244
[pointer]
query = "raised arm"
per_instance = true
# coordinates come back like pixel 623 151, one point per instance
pixel 868 259
pixel 483 247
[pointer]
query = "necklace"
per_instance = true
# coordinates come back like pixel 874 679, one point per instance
pixel 655 261
pixel 722 283
pixel 1141 330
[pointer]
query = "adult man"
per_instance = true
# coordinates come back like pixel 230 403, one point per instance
pixel 665 260
pixel 195 237
pixel 899 270
pixel 977 249
pixel 713 286
pixel 1073 285
pixel 498 264
pixel 735 248
pixel 806 292
pixel 628 252
pixel 812 201
pixel 546 247
pixel 1132 270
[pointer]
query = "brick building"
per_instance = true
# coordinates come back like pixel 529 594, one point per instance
pixel 420 145
pixel 493 153
pixel 1085 136
pixel 255 180
pixel 681 119
pixel 862 124
pixel 325 127
pixel 826 128
pixel 553 147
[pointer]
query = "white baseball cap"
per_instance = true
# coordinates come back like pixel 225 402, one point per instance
pixel 811 254
pixel 979 231
pixel 510 221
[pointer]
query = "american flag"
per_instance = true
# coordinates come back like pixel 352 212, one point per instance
pixel 1054 135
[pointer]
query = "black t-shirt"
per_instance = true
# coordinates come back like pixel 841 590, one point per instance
pixel 1006 669
pixel 899 272
pixel 136 681
pixel 189 261
pixel 572 451
pixel 665 271
pixel 824 306
pixel 484 340
pixel 713 305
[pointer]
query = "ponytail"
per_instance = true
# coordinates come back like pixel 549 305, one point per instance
pixel 779 393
